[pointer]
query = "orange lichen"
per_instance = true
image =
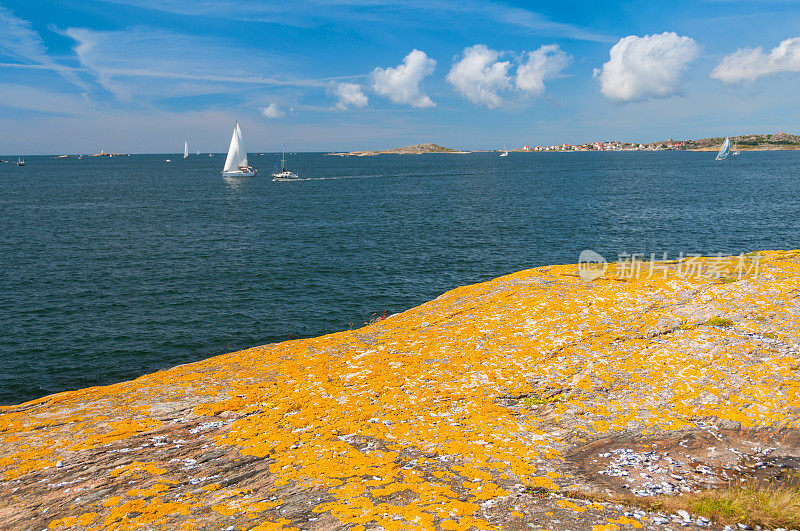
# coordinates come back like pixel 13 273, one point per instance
pixel 138 466
pixel 146 493
pixel 567 504
pixel 402 424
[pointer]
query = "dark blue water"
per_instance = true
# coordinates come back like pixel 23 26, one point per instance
pixel 114 267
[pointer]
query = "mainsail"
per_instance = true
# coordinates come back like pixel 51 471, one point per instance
pixel 185 149
pixel 237 155
pixel 725 149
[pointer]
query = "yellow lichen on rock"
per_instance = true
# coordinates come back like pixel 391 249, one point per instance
pixel 431 418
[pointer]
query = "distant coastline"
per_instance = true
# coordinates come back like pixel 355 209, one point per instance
pixel 781 141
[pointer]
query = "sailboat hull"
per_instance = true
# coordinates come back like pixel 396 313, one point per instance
pixel 285 176
pixel 238 173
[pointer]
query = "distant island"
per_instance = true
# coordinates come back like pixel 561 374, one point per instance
pixel 416 149
pixel 104 154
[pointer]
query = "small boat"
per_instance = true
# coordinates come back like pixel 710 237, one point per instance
pixel 20 162
pixel 724 150
pixel 735 150
pixel 167 160
pixel 284 174
pixel 504 153
pixel 198 151
pixel 236 161
pixel 186 150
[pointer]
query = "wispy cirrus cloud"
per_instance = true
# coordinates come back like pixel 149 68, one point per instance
pixel 144 63
pixel 309 13
pixel 20 42
pixel 50 102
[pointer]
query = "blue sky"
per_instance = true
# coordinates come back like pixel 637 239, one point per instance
pixel 143 75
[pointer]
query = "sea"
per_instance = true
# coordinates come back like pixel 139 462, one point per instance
pixel 113 267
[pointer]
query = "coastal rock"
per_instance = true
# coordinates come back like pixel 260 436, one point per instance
pixel 485 408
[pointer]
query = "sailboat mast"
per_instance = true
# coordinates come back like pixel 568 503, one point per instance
pixel 283 156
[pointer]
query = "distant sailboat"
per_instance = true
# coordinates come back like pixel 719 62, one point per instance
pixel 185 149
pixel 284 174
pixel 20 162
pixel 735 150
pixel 236 161
pixel 198 151
pixel 504 153
pixel 724 150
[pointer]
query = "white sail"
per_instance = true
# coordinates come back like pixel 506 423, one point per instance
pixel 237 155
pixel 185 149
pixel 725 149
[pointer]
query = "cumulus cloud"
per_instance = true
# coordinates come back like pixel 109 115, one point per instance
pixel 641 68
pixel 537 66
pixel 401 83
pixel 349 95
pixel 479 76
pixel 748 64
pixel 273 111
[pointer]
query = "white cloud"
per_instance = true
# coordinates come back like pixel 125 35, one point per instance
pixel 141 63
pixel 423 13
pixel 545 63
pixel 748 64
pixel 641 68
pixel 401 83
pixel 19 41
pixel 272 111
pixel 479 76
pixel 42 100
pixel 349 95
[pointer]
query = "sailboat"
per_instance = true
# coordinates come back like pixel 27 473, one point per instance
pixel 284 174
pixel 504 153
pixel 198 152
pixel 185 149
pixel 724 150
pixel 735 150
pixel 236 161
pixel 20 162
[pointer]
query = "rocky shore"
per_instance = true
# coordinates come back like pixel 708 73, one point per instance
pixel 525 402
pixel 780 141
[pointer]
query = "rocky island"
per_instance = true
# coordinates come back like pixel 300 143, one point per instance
pixel 416 149
pixel 750 142
pixel 544 399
